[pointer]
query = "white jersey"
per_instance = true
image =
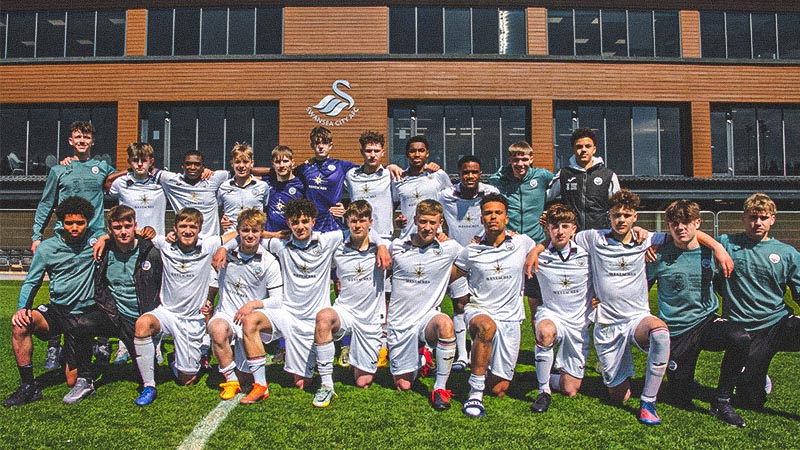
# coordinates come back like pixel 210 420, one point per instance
pixel 306 269
pixel 411 190
pixel 146 198
pixel 234 199
pixel 496 277
pixel 248 278
pixel 201 196
pixel 186 276
pixel 463 216
pixel 565 281
pixel 420 276
pixel 376 188
pixel 618 274
pixel 362 281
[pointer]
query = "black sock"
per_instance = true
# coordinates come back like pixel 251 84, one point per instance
pixel 26 374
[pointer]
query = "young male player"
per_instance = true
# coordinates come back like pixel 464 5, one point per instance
pixel 495 309
pixel 187 273
pixel 421 271
pixel 753 296
pixel 683 270
pixel 359 307
pixel 250 279
pixel 284 186
pixel 67 260
pixel 243 191
pixel 462 211
pixel 138 189
pixel 586 184
pixel 564 283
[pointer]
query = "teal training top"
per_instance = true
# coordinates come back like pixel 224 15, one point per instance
pixel 78 179
pixel 71 272
pixel 685 293
pixel 753 295
pixel 526 198
pixel 119 274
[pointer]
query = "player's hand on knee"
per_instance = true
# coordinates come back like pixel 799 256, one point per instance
pixel 22 318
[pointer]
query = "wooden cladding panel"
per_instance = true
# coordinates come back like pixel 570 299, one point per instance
pixel 701 139
pixel 336 30
pixel 537 31
pixel 127 128
pixel 136 33
pixel 690 33
pixel 542 132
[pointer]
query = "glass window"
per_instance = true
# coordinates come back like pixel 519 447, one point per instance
pixel 182 134
pixel 764 39
pixel 402 30
pixel 719 143
pixel 187 32
pixel 214 31
pixel 241 36
pixel 560 37
pixel 269 31
pixel 618 140
pixel 669 122
pixel 402 126
pixel 3 30
pixel 587 32
pixel 110 33
pixel 640 33
pixel 513 34
pixel 668 39
pixel 430 123
pixel 159 32
pixel 562 134
pixel 789 36
pixel 712 34
pixel 80 33
pixel 791 120
pixel 211 135
pixel 744 141
pixel 645 140
pixel 265 133
pixel 770 134
pixel 457 29
pixel 43 139
pixel 50 34
pixel 429 30
pixel 615 35
pixel 485 32
pixel 737 26
pixel 486 136
pixel 13 137
pixel 21 41
pixel 458 134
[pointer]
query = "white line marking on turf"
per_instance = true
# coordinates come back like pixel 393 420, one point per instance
pixel 208 425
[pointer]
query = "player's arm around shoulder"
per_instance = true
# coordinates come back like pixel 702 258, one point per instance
pixel 724 260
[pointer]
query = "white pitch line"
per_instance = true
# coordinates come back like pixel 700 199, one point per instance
pixel 208 425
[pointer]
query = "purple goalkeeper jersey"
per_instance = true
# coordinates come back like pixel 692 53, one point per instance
pixel 324 181
pixel 280 192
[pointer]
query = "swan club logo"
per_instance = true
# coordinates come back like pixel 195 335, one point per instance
pixel 328 110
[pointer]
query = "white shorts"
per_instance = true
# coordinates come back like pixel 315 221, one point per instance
pixel 365 343
pixel 505 344
pixel 458 288
pixel 239 355
pixel 613 346
pixel 299 336
pixel 572 341
pixel 188 337
pixel 404 345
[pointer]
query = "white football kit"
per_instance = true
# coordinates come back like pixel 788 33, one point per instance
pixel 201 196
pixel 234 199
pixel 376 188
pixel 145 197
pixel 410 190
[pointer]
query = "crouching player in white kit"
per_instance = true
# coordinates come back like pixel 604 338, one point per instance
pixel 495 311
pixel 421 268
pixel 565 284
pixel 250 279
pixel 184 286
pixel 358 309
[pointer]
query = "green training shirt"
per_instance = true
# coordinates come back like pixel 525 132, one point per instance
pixel 119 274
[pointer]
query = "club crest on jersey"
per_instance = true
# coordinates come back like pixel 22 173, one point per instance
pixel 534 183
pixel 292 190
pixel 509 246
pixel 672 365
pixel 597 181
pixel 95 170
pixel 706 263
pixel 437 251
pixel 331 167
pixel 146 265
pixel 259 271
pixel 774 258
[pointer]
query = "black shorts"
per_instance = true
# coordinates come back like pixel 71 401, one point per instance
pixel 712 334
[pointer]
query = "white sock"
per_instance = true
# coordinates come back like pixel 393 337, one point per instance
pixel 325 354
pixel 543 359
pixel 460 328
pixel 477 383
pixel 445 352
pixel 657 357
pixel 229 372
pixel 145 359
pixel 256 365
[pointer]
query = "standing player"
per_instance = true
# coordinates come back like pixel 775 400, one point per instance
pixel 138 189
pixel 359 307
pixel 586 184
pixel 462 212
pixel 565 286
pixel 495 310
pixel 243 191
pixel 687 304
pixel 421 266
pixel 250 279
pixel 284 186
pixel 753 296
pixel 184 285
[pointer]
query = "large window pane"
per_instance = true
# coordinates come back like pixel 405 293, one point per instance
pixel 104 120
pixel 789 35
pixel 80 33
pixel 430 123
pixel 587 32
pixel 13 137
pixel 265 133
pixel 210 135
pixel 486 120
pixel 269 31
pixel 50 34
pixel 738 28
pixel 719 142
pixel 110 33
pixel 401 129
pixel 640 33
pixel 513 32
pixel 238 126
pixel 670 141
pixel 458 135
pixel 214 31
pixel 645 140
pixel 764 40
pixel 43 139
pixel 187 31
pixel 182 134
pixel 560 38
pixel 429 30
pixel 615 39
pixel 3 30
pixel 592 117
pixel 712 34
pixel 159 32
pixel 791 120
pixel 21 40
pixel 402 30
pixel 618 139
pixel 770 134
pixel 485 31
pixel 241 32
pixel 744 141
pixel 457 29
pixel 562 133
pixel 668 35
pixel 516 125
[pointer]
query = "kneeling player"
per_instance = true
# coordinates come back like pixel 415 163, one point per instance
pixel 421 270
pixel 187 269
pixel 357 311
pixel 250 279
pixel 495 311
pixel 565 285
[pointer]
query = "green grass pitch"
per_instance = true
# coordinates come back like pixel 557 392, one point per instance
pixel 379 417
